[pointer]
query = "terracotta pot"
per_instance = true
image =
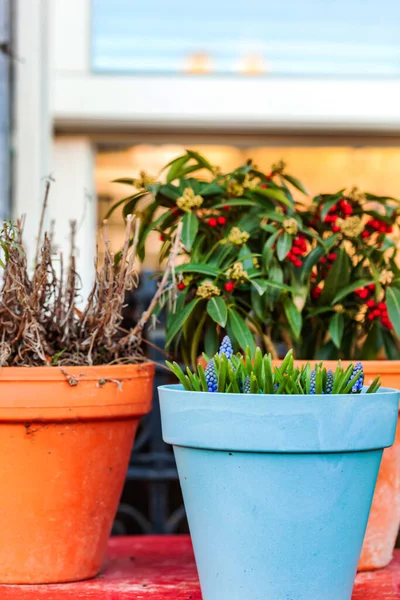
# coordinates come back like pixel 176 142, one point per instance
pixel 384 519
pixel 65 442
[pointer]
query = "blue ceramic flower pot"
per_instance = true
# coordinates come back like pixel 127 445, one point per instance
pixel 277 488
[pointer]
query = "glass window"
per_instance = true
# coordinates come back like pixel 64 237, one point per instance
pixel 313 37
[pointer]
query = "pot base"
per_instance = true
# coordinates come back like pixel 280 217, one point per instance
pixel 277 526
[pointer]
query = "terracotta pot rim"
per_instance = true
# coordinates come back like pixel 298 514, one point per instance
pixel 49 394
pixel 84 373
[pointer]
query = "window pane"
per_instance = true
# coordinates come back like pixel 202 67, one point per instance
pixel 313 37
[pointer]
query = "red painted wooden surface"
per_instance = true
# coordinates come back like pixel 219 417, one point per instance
pixel 162 568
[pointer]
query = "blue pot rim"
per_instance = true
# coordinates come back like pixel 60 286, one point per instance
pixel 177 387
pixel 279 422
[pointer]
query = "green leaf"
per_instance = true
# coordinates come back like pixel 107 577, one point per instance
pixel 267 249
pixel 125 180
pixel 275 194
pixel 189 229
pixel 203 162
pixel 326 207
pixel 338 276
pixel 217 310
pixel 176 167
pixel 293 316
pixel 202 377
pixel 275 275
pixel 389 343
pixel 211 341
pixel 295 183
pixel 284 245
pixel 240 330
pixel 240 202
pixel 246 257
pixel 375 385
pixel 372 344
pixel 132 200
pixel 170 191
pixel 393 306
pixel 336 328
pixel 349 289
pixel 198 268
pixel 179 320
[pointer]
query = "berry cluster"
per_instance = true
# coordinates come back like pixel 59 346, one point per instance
pixel 366 291
pixel 378 310
pixel 229 286
pixel 376 226
pixel 298 249
pixel 341 210
pixel 215 221
pixel 316 292
pixel 327 262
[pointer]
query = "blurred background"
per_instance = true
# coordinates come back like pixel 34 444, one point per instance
pixel 92 90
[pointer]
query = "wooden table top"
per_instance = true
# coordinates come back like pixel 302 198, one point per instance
pixel 163 568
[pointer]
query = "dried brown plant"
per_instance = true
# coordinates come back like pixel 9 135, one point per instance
pixel 41 319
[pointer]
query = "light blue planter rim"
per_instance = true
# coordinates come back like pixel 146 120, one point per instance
pixel 278 423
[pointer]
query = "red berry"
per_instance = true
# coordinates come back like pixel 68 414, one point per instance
pixel 322 260
pixel 229 286
pixel 375 224
pixel 333 208
pixel 382 306
pixel 162 238
pixel 382 228
pixel 365 234
pixel 335 228
pixel 332 256
pixel 221 220
pixel 371 287
pixel 296 251
pixel 297 263
pixel 316 292
pixel 376 313
pixel 370 317
pixel 226 207
pixel 389 229
pixel 370 303
pixel 181 286
pixel 347 210
pixel 363 293
pixel 175 211
pixel 212 222
pixel 342 203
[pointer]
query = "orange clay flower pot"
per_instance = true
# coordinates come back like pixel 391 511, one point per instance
pixel 65 440
pixel 384 518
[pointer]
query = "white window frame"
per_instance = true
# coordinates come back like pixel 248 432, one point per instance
pixel 82 98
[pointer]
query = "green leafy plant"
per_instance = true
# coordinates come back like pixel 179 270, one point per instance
pixel 264 263
pixel 256 374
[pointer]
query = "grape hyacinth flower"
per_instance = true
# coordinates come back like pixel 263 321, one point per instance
pixel 329 382
pixel 360 381
pixel 313 381
pixel 226 347
pixel 211 377
pixel 246 386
